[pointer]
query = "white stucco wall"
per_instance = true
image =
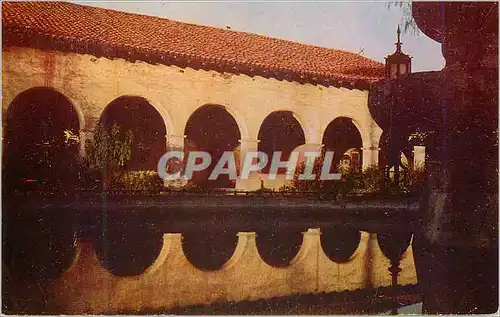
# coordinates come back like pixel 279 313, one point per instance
pixel 92 83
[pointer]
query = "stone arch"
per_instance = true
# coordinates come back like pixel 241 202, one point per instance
pixel 169 123
pixel 212 128
pixel 375 135
pixel 73 102
pixel 240 121
pixel 341 135
pixel 137 114
pixel 301 119
pixel 33 149
pixel 366 140
pixel 278 127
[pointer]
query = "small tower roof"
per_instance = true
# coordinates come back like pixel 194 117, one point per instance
pixel 398 56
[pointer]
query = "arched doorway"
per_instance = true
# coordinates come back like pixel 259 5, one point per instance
pixel 41 136
pixel 280 131
pixel 137 115
pixel 212 129
pixel 343 138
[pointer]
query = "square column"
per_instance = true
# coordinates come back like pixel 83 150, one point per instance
pixel 87 133
pixel 84 136
pixel 418 157
pixel 370 157
pixel 176 143
pixel 253 182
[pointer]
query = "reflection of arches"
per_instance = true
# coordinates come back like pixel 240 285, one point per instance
pixel 394 244
pixel 278 248
pixel 339 244
pixel 340 136
pixel 280 131
pixel 209 251
pixel 38 121
pixel 39 246
pixel 127 249
pixel 211 128
pixel 146 123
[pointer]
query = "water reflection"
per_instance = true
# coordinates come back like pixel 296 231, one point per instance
pixel 339 244
pixel 209 251
pixel 278 248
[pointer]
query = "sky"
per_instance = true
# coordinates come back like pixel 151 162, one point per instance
pixel 356 26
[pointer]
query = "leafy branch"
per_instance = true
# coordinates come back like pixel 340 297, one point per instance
pixel 109 150
pixel 407 22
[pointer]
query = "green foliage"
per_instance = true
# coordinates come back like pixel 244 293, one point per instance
pixel 407 22
pixel 109 150
pixel 263 190
pixel 370 181
pixel 415 181
pixel 323 189
pixel 287 188
pixel 194 187
pixel 352 180
pixel 71 137
pixel 138 181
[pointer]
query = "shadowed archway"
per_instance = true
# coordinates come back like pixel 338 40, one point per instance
pixel 146 124
pixel 40 152
pixel 341 136
pixel 41 136
pixel 280 131
pixel 212 129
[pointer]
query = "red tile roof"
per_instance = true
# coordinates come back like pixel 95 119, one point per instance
pixel 114 34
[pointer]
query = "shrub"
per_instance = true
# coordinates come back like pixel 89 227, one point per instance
pixel 372 179
pixel 286 188
pixel 415 181
pixel 139 181
pixel 108 151
pixel 263 190
pixel 323 189
pixel 194 187
pixel 369 181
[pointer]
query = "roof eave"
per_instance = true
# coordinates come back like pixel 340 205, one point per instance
pixel 30 38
